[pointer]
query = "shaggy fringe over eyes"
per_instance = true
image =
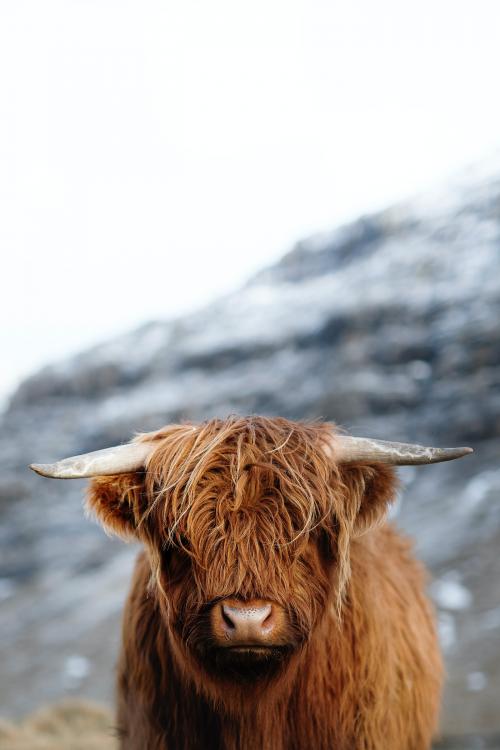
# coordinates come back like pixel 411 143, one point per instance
pixel 207 484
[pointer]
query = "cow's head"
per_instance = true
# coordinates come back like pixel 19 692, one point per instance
pixel 247 523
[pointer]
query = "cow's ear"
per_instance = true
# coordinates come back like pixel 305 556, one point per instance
pixel 117 502
pixel 370 489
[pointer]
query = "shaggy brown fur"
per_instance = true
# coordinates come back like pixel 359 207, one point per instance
pixel 253 508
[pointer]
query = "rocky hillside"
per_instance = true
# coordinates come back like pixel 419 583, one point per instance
pixel 389 326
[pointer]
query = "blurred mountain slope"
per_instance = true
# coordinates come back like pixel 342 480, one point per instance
pixel 388 326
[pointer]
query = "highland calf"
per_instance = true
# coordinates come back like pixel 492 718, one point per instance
pixel 272 607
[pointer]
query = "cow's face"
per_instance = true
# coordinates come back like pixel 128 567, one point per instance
pixel 248 528
pixel 246 598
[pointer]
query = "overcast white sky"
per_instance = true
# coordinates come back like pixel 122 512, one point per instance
pixel 154 154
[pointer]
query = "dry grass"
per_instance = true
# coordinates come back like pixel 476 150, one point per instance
pixel 73 725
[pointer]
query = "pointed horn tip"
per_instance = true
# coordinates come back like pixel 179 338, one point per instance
pixel 450 454
pixel 41 469
pixel 54 471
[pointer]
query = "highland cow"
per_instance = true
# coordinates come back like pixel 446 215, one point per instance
pixel 272 606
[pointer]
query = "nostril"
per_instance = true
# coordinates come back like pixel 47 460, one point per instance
pixel 226 619
pixel 268 621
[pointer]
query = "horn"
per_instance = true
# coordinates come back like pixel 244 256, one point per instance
pixel 346 449
pixel 121 459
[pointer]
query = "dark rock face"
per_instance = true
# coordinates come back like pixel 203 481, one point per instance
pixel 389 326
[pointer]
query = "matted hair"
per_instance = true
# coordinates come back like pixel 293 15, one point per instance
pixel 213 484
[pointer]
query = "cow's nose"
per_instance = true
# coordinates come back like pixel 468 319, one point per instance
pixel 245 623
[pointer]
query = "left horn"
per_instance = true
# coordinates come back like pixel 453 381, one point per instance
pixel 121 459
pixel 346 449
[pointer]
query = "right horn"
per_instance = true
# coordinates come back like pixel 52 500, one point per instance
pixel 120 459
pixel 346 449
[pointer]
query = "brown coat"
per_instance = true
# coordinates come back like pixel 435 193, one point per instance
pixel 254 508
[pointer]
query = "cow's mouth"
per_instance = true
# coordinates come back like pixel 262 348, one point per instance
pixel 247 663
pixel 253 652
